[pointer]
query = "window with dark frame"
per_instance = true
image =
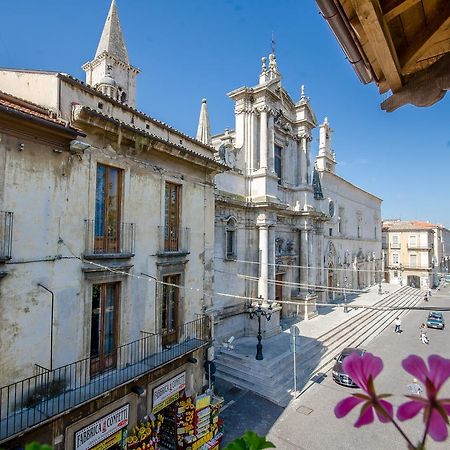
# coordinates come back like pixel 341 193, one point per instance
pixel 104 326
pixel 172 206
pixel 170 309
pixel 230 239
pixel 278 163
pixel 108 209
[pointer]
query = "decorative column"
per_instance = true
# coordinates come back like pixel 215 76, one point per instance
pixel 263 290
pixel 304 259
pixel 263 139
pixel 270 141
pixel 303 150
pixel 253 142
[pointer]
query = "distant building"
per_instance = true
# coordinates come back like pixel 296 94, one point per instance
pixel 106 257
pixel 417 252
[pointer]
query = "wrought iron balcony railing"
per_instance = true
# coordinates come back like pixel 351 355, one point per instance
pixel 34 400
pixel 173 239
pixel 419 246
pixel 6 230
pixel 117 239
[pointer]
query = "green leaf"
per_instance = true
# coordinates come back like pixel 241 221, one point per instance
pixel 36 446
pixel 250 441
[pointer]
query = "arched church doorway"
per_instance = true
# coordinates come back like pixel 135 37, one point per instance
pixel 330 282
pixel 413 281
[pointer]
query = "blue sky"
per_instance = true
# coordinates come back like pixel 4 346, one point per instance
pixel 192 49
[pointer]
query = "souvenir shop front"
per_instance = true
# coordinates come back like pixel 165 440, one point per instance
pixel 179 421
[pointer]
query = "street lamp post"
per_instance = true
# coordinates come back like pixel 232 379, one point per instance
pixel 258 313
pixel 380 290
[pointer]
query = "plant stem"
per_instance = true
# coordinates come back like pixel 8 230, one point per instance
pixel 396 425
pixel 425 433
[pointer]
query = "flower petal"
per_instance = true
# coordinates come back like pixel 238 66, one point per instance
pixel 438 427
pixel 409 410
pixel 352 366
pixel 360 368
pixel 372 365
pixel 388 408
pixel 416 366
pixel 345 406
pixel 365 417
pixel 439 370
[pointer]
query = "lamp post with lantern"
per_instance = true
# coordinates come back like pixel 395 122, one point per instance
pixel 258 312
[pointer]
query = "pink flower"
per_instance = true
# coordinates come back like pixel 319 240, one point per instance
pixel 363 370
pixel 436 412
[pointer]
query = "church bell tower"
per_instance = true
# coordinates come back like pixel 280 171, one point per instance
pixel 110 71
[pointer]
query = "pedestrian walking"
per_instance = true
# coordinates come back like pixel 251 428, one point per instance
pixel 429 292
pixel 423 334
pixel 414 388
pixel 397 323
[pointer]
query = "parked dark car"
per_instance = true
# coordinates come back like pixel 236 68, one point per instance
pixel 339 376
pixel 435 320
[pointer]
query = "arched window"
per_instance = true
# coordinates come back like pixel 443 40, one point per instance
pixel 230 239
pixel 123 97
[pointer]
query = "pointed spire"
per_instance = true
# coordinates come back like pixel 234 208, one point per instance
pixel 203 130
pixel 112 40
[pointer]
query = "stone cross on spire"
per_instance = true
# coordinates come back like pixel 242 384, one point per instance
pixel 203 130
pixel 112 40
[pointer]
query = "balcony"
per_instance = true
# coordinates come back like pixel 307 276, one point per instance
pixel 419 246
pixel 6 230
pixel 36 399
pixel 118 242
pixel 395 245
pixel 173 240
pixel 417 266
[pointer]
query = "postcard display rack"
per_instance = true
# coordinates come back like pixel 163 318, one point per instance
pixel 198 424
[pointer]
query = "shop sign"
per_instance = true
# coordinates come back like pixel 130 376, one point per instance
pixel 168 389
pixel 109 442
pixel 166 402
pixel 99 431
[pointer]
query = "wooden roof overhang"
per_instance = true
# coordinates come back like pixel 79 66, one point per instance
pixel 401 45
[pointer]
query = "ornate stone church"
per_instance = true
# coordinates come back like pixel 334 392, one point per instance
pixel 289 231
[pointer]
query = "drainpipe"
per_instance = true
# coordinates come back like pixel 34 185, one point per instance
pixel 51 328
pixel 341 28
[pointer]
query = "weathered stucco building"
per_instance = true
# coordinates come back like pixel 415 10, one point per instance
pixel 108 269
pixel 284 232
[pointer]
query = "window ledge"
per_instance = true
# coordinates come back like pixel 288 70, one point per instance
pixel 93 256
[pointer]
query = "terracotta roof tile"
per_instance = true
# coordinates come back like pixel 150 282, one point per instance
pixel 17 104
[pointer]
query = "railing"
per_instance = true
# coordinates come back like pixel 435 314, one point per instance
pixel 173 239
pixel 118 239
pixel 6 230
pixel 416 266
pixel 419 246
pixel 36 399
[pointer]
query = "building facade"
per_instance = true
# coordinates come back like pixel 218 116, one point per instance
pixel 417 252
pixel 289 231
pixel 106 260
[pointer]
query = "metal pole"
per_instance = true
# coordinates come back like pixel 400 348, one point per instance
pixel 51 326
pixel 295 370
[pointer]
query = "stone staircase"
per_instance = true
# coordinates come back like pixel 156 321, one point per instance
pixel 272 378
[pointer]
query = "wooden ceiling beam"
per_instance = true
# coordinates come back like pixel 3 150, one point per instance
pixel 375 27
pixel 422 43
pixel 398 8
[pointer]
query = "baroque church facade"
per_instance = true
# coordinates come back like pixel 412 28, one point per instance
pixel 289 232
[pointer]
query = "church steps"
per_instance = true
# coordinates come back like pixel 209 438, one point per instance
pixel 273 380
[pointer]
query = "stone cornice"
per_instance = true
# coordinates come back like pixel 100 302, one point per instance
pixel 86 116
